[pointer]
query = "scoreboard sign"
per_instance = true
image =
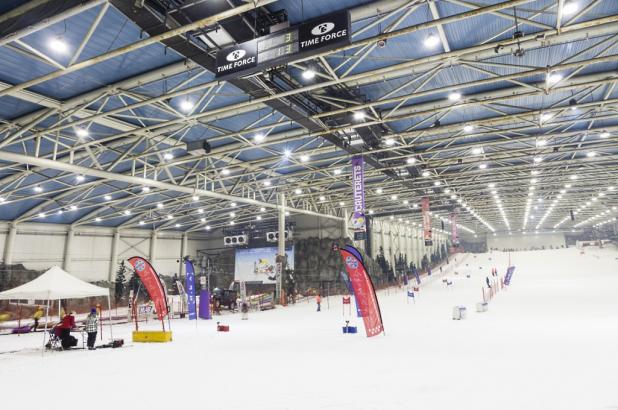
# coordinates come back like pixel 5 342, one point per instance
pixel 239 58
pixel 321 34
pixel 325 31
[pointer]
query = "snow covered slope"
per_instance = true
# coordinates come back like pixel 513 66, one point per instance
pixel 548 342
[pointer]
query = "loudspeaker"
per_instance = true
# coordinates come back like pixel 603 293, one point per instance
pixel 572 216
pixel 274 236
pixel 236 240
pixel 442 222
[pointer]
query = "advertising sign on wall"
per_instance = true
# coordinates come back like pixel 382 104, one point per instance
pixel 259 264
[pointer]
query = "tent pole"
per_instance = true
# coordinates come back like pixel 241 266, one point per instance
pixel 18 319
pixel 109 315
pixel 46 322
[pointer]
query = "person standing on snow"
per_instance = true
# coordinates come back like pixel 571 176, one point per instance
pixel 91 327
pixel 318 300
pixel 37 315
pixel 487 280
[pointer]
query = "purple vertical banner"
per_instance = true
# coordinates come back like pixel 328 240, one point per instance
pixel 358 183
pixel 190 288
pixel 509 275
pixel 205 305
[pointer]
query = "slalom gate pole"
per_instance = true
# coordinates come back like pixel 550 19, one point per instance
pixel 101 319
pixel 483 290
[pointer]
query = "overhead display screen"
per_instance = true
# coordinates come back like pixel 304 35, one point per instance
pixel 311 37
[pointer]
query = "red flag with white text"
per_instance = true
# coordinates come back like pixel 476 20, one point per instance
pixel 152 283
pixel 364 291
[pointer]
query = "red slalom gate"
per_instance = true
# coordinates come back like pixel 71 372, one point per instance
pixel 347 301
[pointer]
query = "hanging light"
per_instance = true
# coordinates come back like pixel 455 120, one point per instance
pixel 431 41
pixel 186 105
pixel 454 96
pixel 359 115
pixel 58 45
pixel 308 74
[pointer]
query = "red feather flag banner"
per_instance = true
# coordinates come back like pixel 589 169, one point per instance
pixel 364 292
pixel 152 283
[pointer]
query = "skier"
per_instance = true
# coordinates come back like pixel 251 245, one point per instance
pixel 244 309
pixel 37 315
pixel 487 280
pixel 91 325
pixel 318 300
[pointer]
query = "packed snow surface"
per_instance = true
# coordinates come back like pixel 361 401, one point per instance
pixel 549 341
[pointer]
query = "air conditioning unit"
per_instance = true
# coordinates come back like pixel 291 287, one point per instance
pixel 274 236
pixel 198 148
pixel 235 240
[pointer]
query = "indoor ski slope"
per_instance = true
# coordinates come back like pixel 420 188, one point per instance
pixel 548 342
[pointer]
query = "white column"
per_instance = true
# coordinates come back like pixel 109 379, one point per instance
pixel 183 252
pixel 281 246
pixel 10 244
pixel 422 247
pixel 404 240
pixel 68 250
pixel 344 225
pixel 382 241
pixel 153 247
pixel 114 256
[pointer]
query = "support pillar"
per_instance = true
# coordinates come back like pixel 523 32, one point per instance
pixel 368 237
pixel 281 248
pixel 68 250
pixel 153 247
pixel 114 256
pixel 183 253
pixel 377 251
pixel 10 244
pixel 406 249
pixel 345 233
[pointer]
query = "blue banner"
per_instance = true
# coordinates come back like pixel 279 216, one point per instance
pixel 509 274
pixel 190 288
pixel 410 294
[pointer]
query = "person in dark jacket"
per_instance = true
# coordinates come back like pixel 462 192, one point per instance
pixel 487 280
pixel 91 327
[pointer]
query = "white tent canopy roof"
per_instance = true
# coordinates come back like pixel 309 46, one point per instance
pixel 52 285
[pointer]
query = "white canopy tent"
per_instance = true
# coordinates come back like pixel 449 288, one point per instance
pixel 56 284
